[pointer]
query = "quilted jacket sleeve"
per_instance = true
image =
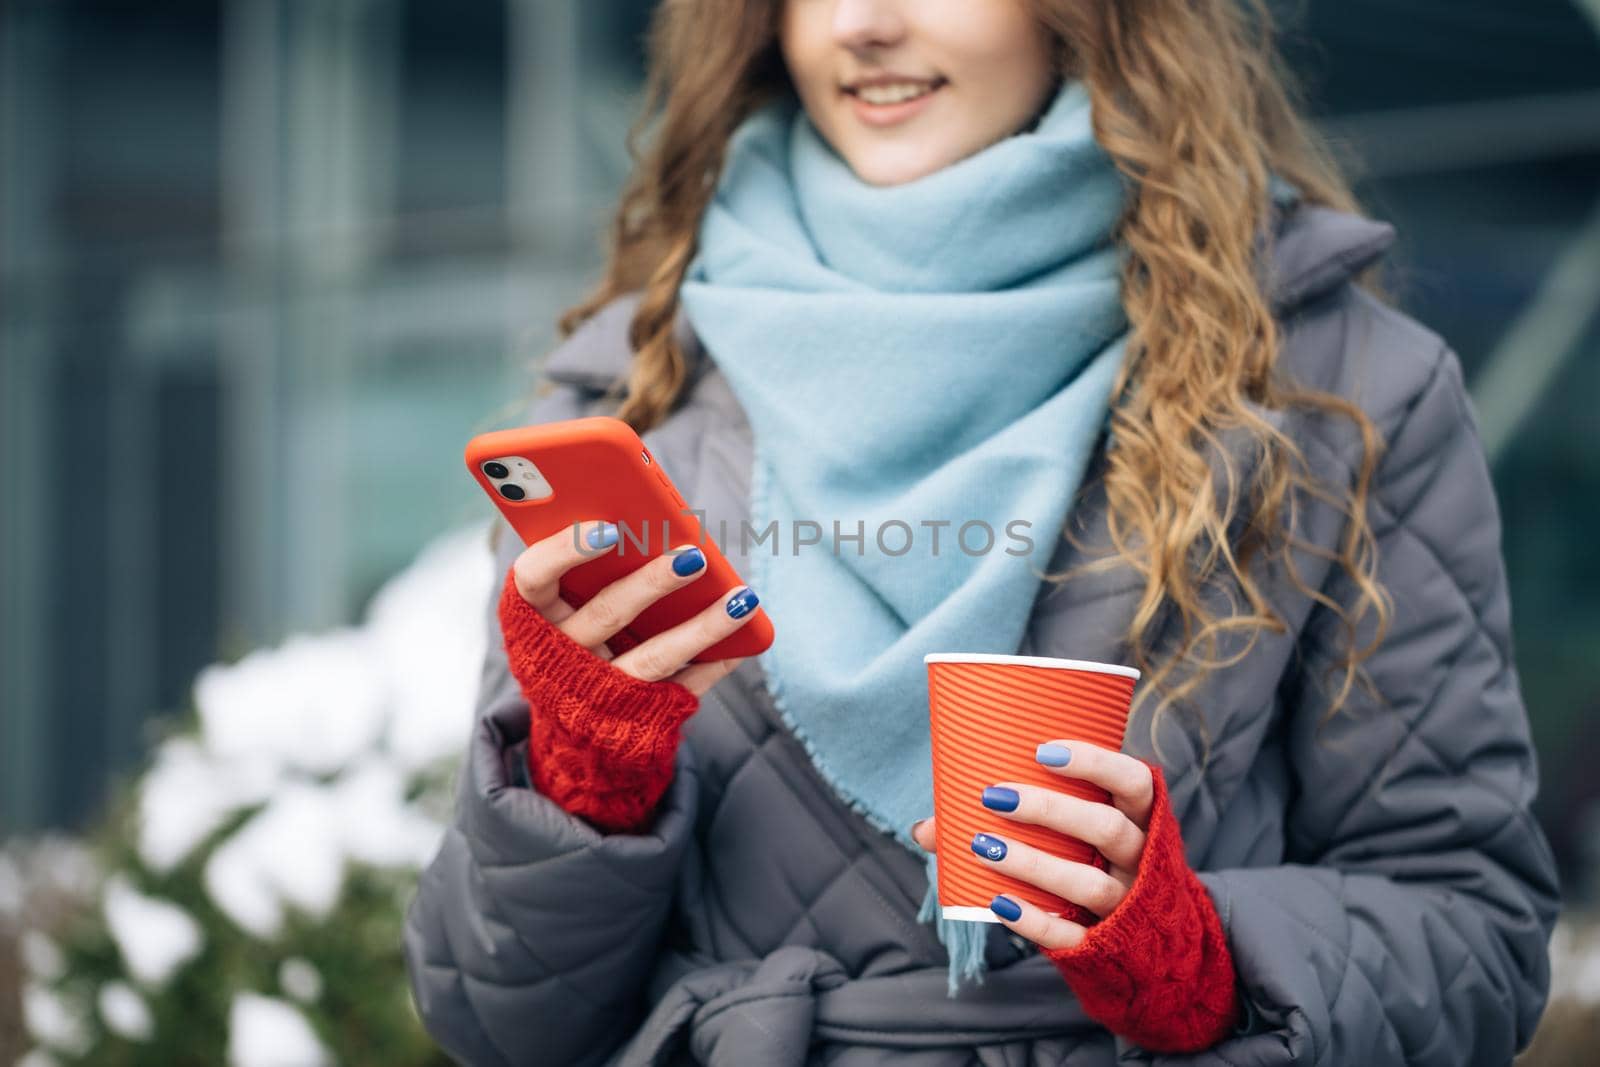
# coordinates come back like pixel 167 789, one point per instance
pixel 1412 925
pixel 529 937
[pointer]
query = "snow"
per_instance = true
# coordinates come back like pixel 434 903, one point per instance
pixel 379 827
pixel 288 853
pixel 11 895
pixel 300 979
pixel 407 675
pixel 367 707
pixel 125 1012
pixel 1585 985
pixel 325 734
pixel 56 865
pixel 438 605
pixel 42 957
pixel 55 1020
pixel 1575 961
pixel 268 1032
pixel 311 704
pixel 295 852
pixel 188 793
pixel 155 936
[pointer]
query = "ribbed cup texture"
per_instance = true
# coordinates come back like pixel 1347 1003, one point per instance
pixel 987 720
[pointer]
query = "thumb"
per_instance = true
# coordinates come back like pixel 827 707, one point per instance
pixel 922 832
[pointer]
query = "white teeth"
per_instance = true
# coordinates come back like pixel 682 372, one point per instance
pixel 893 94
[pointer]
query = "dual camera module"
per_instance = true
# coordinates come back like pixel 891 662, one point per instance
pixel 520 479
pixel 516 478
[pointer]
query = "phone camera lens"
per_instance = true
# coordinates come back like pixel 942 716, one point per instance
pixel 495 470
pixel 512 492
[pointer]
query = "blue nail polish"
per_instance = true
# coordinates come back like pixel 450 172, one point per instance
pixel 1053 755
pixel 688 562
pixel 990 848
pixel 603 536
pixel 1006 908
pixel 742 603
pixel 999 798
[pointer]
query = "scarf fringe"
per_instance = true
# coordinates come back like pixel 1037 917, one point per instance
pixel 965 941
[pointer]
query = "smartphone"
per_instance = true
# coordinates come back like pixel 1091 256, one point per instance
pixel 549 477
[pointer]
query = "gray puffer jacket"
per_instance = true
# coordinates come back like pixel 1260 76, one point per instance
pixel 1386 893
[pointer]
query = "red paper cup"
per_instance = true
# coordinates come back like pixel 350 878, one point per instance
pixel 989 714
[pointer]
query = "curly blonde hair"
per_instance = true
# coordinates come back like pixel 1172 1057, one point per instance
pixel 1191 100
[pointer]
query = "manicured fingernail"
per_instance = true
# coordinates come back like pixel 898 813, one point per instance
pixel 1006 908
pixel 742 603
pixel 990 848
pixel 999 798
pixel 1053 755
pixel 603 536
pixel 688 562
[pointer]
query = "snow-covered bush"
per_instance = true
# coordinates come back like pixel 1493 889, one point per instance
pixel 242 903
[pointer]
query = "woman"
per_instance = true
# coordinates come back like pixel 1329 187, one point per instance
pixel 921 265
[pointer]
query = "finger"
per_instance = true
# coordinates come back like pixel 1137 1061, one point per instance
pixel 538 568
pixel 618 604
pixel 666 653
pixel 1036 924
pixel 923 832
pixel 1106 827
pixel 1127 779
pixel 700 677
pixel 1068 879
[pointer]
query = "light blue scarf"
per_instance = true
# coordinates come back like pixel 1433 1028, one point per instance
pixel 942 350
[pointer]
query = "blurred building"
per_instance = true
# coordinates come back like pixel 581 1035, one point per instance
pixel 265 266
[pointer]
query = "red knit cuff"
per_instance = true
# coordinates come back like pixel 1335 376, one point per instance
pixel 601 743
pixel 1157 969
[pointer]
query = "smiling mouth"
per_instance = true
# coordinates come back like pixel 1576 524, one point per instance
pixel 891 94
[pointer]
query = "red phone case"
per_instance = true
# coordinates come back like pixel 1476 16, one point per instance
pixel 597 468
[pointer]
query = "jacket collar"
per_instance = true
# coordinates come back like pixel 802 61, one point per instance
pixel 1315 250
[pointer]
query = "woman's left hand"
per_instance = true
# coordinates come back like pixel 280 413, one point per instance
pixel 1117 829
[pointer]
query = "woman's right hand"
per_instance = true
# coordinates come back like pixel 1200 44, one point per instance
pixel 537 575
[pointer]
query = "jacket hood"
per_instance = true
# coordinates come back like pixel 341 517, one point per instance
pixel 1315 250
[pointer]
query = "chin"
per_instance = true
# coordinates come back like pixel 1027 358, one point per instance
pixel 889 168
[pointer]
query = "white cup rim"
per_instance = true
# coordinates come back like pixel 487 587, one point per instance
pixel 975 914
pixel 1033 661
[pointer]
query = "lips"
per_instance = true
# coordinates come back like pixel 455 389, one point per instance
pixel 895 112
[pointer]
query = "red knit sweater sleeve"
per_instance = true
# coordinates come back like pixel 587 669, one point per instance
pixel 1157 969
pixel 601 743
